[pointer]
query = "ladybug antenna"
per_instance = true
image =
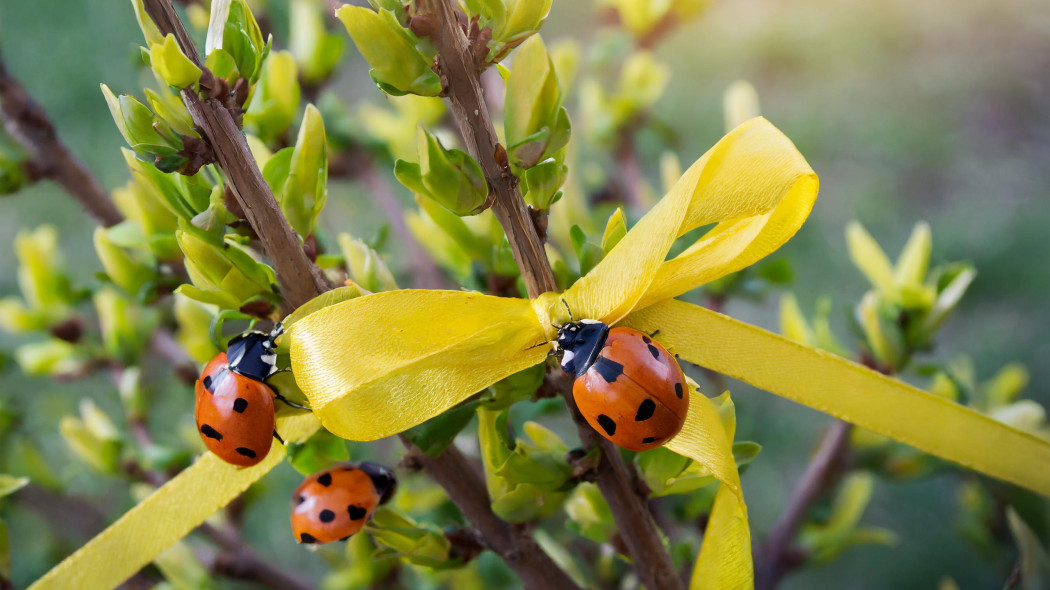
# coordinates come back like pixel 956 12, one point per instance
pixel 569 309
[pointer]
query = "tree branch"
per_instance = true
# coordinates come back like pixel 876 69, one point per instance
pixel 527 558
pixel 457 65
pixel 462 480
pixel 467 102
pixel 299 278
pixel 777 556
pixel 26 121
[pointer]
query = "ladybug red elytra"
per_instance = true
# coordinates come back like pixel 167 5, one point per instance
pixel 234 405
pixel 333 504
pixel 628 387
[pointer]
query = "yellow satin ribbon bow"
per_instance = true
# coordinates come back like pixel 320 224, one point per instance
pixel 379 364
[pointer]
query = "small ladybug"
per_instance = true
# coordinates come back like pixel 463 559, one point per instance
pixel 333 504
pixel 628 387
pixel 234 405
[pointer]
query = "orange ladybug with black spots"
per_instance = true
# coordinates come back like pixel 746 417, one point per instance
pixel 234 406
pixel 627 387
pixel 333 504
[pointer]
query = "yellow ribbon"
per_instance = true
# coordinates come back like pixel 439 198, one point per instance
pixel 167 515
pixel 379 364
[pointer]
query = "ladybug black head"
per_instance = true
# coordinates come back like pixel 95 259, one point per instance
pixel 579 343
pixel 252 355
pixel 382 478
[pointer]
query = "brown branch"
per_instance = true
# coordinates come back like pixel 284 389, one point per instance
pixel 457 66
pixel 27 122
pixel 524 556
pixel 467 102
pixel 462 480
pixel 299 278
pixel 777 555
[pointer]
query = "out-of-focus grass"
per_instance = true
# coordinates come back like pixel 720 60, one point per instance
pixel 937 110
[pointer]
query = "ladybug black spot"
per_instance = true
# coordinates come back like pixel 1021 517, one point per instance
pixel 307 538
pixel 325 479
pixel 646 339
pixel 607 424
pixel 610 370
pixel 345 538
pixel 678 390
pixel 645 410
pixel 326 515
pixel 654 351
pixel 208 383
pixel 240 405
pixel 300 499
pixel 246 452
pixel 210 432
pixel 648 440
pixel 356 512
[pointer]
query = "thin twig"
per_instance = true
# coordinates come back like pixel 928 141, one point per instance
pixel 27 122
pixel 299 278
pixel 462 480
pixel 777 554
pixel 467 102
pixel 458 67
pixel 451 467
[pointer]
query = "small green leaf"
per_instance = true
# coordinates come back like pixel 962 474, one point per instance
pixel 306 188
pixel 172 65
pixel 435 435
pixel 397 65
pixel 869 257
pixel 319 452
pixel 10 484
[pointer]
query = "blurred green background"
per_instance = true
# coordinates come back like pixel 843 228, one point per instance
pixel 936 111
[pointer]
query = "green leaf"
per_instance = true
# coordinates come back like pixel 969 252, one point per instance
pixel 1035 562
pixel 533 103
pixel 10 484
pixel 615 230
pixel 914 260
pixel 319 452
pixel 435 435
pixel 276 98
pixel 397 66
pixel 589 514
pixel 449 176
pixel 315 49
pixel 172 65
pixel 306 188
pixel 413 542
pixel 364 265
pixel 127 268
pixel 869 257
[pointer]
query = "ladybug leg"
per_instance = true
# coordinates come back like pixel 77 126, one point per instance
pixel 278 437
pixel 654 333
pixel 287 402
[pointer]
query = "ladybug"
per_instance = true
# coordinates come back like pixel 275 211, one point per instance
pixel 234 405
pixel 628 387
pixel 333 504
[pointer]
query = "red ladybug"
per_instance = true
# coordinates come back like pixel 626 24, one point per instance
pixel 628 387
pixel 333 504
pixel 234 407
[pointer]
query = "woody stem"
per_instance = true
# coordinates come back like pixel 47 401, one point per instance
pixel 458 65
